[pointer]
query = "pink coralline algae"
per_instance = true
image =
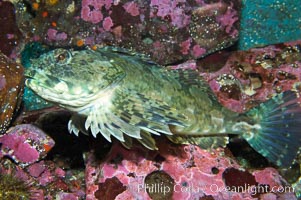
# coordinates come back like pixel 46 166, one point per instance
pixel 132 8
pixel 92 10
pixel 23 153
pixel 107 23
pixel 228 20
pixel 175 10
pixel 55 35
pixel 211 21
pixel 36 169
pixel 11 90
pixel 242 79
pixel 25 144
pixel 138 25
pixel 269 177
pixel 185 46
pixel 197 51
pixel 174 172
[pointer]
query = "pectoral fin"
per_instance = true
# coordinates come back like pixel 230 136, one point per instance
pixel 149 114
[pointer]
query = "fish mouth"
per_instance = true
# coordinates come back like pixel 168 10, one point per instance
pixel 56 91
pixel 52 95
pixel 47 86
pixel 29 73
pixel 35 78
pixel 39 88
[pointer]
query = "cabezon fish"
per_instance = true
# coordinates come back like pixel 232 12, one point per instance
pixel 115 92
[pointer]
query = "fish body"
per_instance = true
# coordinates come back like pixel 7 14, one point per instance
pixel 115 92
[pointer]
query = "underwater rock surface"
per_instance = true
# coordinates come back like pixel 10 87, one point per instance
pixel 177 172
pixel 242 79
pixel 11 90
pixel 22 157
pixel 169 31
pixel 10 35
pixel 25 144
pixel 117 173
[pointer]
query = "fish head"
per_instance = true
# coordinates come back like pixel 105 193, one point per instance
pixel 72 78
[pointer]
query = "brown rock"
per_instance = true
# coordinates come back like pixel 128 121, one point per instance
pixel 11 87
pixel 10 35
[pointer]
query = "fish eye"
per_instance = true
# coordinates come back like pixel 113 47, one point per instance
pixel 62 56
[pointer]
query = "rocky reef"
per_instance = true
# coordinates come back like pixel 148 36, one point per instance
pixel 10 35
pixel 242 79
pixel 11 90
pixel 169 31
pixel 178 172
pixel 37 153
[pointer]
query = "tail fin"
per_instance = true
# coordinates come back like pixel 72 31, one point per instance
pixel 278 133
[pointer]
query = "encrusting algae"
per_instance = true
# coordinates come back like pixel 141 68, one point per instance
pixel 12 188
pixel 115 92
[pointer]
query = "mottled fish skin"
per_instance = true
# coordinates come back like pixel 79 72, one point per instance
pixel 122 93
pixel 119 93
